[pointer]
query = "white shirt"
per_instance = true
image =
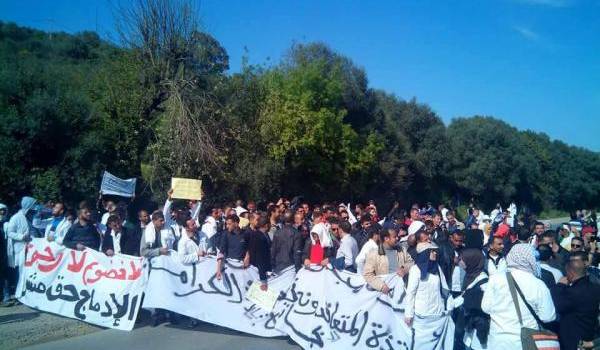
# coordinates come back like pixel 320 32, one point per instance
pixel 348 249
pixel 188 250
pixel 493 268
pixel 424 298
pixel 116 242
pixel 458 275
pixel 505 330
pixel 361 258
pixel 444 212
pixel 177 231
pixel 104 219
pixel 566 242
pixel 555 272
pixel 209 227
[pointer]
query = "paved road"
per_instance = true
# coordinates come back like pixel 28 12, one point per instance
pixel 205 336
pixel 21 326
pixel 555 222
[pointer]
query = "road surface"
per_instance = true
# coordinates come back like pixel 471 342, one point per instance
pixel 204 336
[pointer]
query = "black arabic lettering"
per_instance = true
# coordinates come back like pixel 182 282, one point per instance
pixel 133 308
pixel 355 289
pixel 182 275
pixel 374 340
pixel 316 332
pixel 63 292
pixel 230 287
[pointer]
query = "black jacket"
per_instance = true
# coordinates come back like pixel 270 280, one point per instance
pixel 259 248
pixel 286 248
pixel 234 245
pixel 86 235
pixel 130 242
pixel 470 316
pixel 446 260
pixel 577 306
pixel 548 278
pixel 361 236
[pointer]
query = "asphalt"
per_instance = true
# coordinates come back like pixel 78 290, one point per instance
pixel 166 336
pixel 554 223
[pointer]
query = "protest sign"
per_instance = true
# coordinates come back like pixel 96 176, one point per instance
pixel 331 309
pixel 265 299
pixel 112 185
pixel 85 285
pixel 186 188
pixel 194 291
pixel 318 307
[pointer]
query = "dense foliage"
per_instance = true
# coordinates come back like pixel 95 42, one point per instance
pixel 74 105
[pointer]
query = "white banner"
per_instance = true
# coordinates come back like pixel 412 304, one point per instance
pixel 317 308
pixel 194 291
pixel 85 285
pixel 330 309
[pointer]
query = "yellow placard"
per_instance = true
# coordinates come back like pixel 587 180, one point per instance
pixel 186 188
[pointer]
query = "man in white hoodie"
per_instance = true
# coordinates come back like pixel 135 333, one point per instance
pixel 19 232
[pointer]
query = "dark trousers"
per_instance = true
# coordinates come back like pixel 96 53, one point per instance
pixel 9 280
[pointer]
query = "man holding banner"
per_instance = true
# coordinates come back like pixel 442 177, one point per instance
pixel 234 244
pixel 83 234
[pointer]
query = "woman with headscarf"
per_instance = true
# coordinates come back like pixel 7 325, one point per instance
pixel 427 295
pixel 505 328
pixel 428 299
pixel 319 248
pixel 471 319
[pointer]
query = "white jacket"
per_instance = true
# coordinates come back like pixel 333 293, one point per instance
pixel 505 330
pixel 493 269
pixel 424 298
pixel 188 250
pixel 361 258
pixel 17 232
pixel 59 233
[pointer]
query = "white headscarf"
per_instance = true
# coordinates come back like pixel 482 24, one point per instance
pixel 322 230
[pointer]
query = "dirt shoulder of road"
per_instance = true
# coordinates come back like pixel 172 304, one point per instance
pixel 22 326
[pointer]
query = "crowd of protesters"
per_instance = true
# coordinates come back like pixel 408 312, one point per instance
pixel 470 269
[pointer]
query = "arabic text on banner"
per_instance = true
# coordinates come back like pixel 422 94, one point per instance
pixel 318 308
pixel 194 291
pixel 85 285
pixel 112 185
